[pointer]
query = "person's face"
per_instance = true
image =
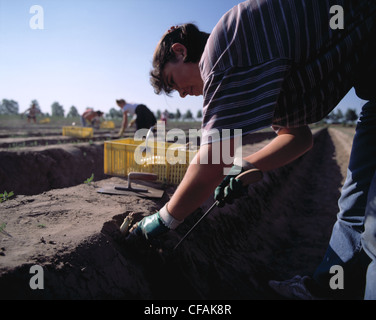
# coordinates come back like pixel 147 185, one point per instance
pixel 181 76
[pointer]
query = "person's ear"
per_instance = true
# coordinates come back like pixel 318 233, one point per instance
pixel 179 50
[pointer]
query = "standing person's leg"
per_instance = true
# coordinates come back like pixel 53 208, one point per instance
pixel 369 241
pixel 345 246
pixel 83 121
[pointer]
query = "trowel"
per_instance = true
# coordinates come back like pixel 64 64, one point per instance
pixel 133 189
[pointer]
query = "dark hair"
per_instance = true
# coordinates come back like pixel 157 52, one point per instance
pixel 189 36
pixel 99 113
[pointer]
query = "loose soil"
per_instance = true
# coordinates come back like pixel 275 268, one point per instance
pixel 280 229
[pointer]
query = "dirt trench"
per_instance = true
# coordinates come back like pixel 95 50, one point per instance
pixel 279 230
pixel 33 170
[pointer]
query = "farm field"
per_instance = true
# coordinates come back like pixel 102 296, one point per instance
pixel 64 225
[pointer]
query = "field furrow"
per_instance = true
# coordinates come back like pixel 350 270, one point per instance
pixel 280 229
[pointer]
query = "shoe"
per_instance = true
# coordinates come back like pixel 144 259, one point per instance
pixel 295 288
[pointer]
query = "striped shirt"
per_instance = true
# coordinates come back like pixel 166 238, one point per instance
pixel 278 62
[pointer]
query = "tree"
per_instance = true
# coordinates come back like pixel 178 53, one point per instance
pixel 336 116
pixel 158 114
pixel 171 115
pixel 114 113
pixel 351 115
pixel 9 107
pixel 73 112
pixel 199 114
pixel 188 115
pixel 177 114
pixel 339 115
pixel 57 110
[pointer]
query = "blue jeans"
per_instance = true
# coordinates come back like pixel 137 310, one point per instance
pixel 353 240
pixel 83 121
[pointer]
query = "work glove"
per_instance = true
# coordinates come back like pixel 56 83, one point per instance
pixel 156 225
pixel 231 188
pixel 120 134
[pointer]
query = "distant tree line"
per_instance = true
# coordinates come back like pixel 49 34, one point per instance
pixel 337 116
pixel 117 114
pixel 10 107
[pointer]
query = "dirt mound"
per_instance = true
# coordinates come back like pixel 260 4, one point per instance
pixel 280 229
pixel 30 171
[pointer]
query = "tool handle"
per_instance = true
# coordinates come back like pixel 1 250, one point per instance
pixel 142 176
pixel 247 177
pixel 250 176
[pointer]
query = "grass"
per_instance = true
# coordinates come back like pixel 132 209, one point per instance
pixel 6 196
pixel 2 227
pixel 88 181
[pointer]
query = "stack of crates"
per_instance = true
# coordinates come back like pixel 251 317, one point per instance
pixel 78 132
pixel 169 161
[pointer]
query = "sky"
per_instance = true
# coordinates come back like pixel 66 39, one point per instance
pixel 91 52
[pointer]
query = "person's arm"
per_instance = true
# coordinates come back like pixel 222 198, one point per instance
pixel 124 123
pixel 290 144
pixel 201 180
pixel 132 122
pixel 198 184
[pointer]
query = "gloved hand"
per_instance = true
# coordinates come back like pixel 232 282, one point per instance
pixel 150 227
pixel 231 188
pixel 120 134
pixel 155 225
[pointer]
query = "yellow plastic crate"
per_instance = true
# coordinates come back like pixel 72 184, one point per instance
pixel 107 125
pixel 45 120
pixel 169 161
pixel 79 132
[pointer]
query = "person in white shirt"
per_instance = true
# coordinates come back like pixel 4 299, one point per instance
pixel 141 116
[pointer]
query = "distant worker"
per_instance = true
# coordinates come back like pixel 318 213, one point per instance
pixel 33 110
pixel 91 116
pixel 141 116
pixel 164 117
